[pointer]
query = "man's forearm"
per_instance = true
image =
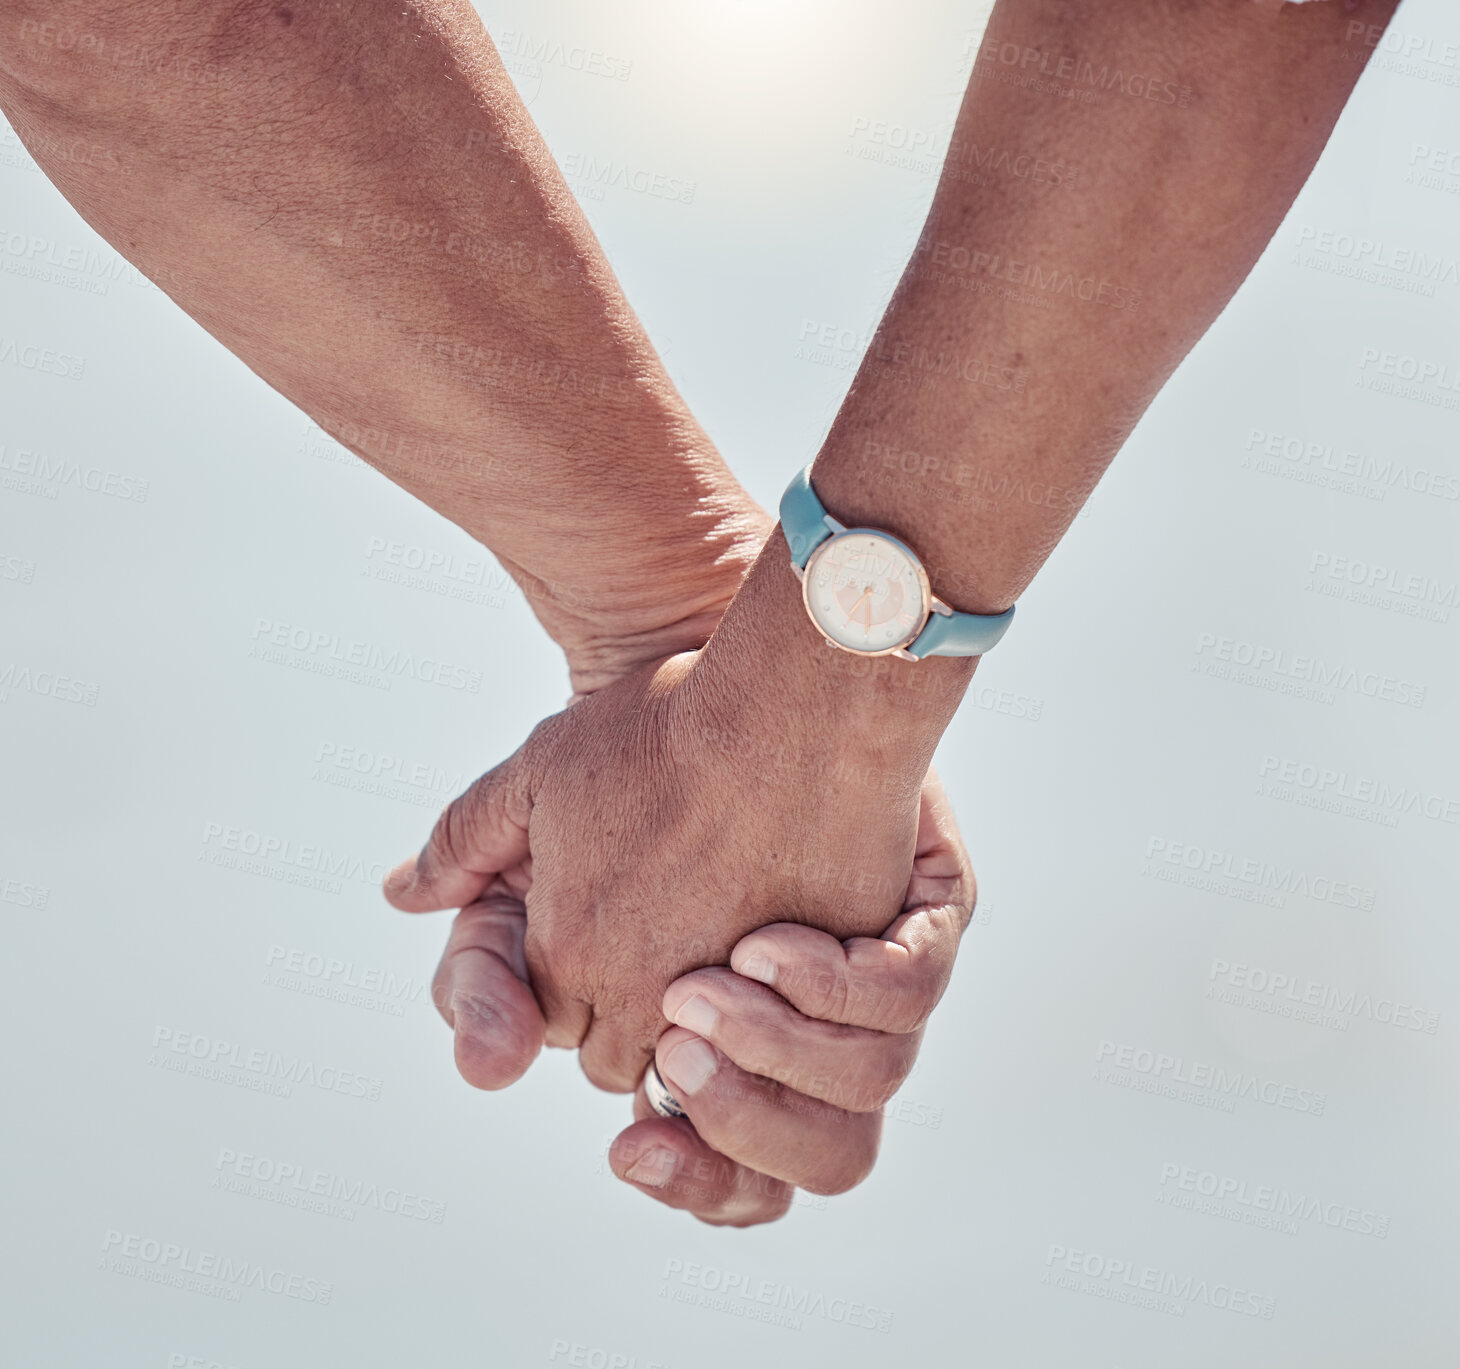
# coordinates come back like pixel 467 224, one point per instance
pixel 353 200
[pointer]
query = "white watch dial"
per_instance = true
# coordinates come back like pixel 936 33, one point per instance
pixel 866 591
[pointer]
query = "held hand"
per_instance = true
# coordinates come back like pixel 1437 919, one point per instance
pixel 808 1037
pixel 802 1067
pixel 644 831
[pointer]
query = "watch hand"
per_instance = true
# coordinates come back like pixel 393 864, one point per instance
pixel 857 605
pixel 869 612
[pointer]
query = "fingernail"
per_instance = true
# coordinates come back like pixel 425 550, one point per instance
pixel 689 1066
pixel 760 968
pixel 698 1016
pixel 654 1168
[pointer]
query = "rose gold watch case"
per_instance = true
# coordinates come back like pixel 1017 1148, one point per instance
pixel 930 605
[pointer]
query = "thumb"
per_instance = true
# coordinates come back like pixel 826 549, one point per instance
pixel 480 836
pixel 482 990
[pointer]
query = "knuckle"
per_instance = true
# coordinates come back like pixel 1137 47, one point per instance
pixel 730 1113
pixel 543 938
pixel 552 943
pixel 892 996
pixel 900 1055
pixel 704 1183
pixel 819 1084
pixel 544 732
pixel 874 999
pixel 903 1055
pixel 863 1081
pixel 448 837
pixel 871 1082
pixel 904 1009
pixel 725 1124
pixel 823 990
pixel 843 1168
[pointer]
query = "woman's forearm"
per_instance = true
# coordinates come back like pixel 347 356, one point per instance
pixel 1043 310
pixel 1040 314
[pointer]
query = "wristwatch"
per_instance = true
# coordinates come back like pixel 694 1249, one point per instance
pixel 868 593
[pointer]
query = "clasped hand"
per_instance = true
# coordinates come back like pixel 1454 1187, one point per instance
pixel 674 869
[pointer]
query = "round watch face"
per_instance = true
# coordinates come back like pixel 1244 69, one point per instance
pixel 866 591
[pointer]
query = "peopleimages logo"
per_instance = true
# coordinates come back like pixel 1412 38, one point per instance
pixel 1216 654
pixel 1123 1281
pixel 327 653
pixel 1374 260
pixel 336 980
pixel 1051 279
pixel 979 163
pixel 31 472
pixel 1324 786
pixel 1259 876
pixel 1149 1071
pixel 24 895
pixel 1378 580
pixel 51 260
pixel 1320 463
pixel 570 56
pixel 301 1186
pixel 204 1271
pixel 46 684
pixel 382 765
pixel 1409 377
pixel 17 569
pixel 1407 53
pixel 579 1356
pixel 991 485
pixel 1402 367
pixel 1437 159
pixel 765 1299
pixel 45 360
pixel 584 170
pixel 1038 68
pixel 383 775
pixel 472 581
pixel 827 344
pixel 1265 1205
pixel 305 864
pixel 262 1071
pixel 924 365
pixel 1288 995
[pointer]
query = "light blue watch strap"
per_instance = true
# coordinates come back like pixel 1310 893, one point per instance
pixel 805 524
pixel 803 519
pixel 960 634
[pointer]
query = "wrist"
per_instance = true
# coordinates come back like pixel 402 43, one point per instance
pixel 771 666
pixel 663 594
